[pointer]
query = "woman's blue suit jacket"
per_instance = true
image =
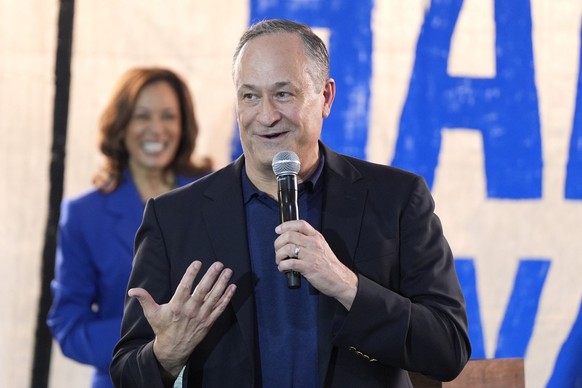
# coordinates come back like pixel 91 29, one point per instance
pixel 93 263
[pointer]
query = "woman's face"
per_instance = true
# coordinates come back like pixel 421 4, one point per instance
pixel 153 133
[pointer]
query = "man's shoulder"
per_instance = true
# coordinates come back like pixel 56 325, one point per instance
pixel 216 181
pixel 377 172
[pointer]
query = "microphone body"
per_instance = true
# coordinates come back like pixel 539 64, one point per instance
pixel 286 166
pixel 287 189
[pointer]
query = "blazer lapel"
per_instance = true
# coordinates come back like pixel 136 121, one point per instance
pixel 224 217
pixel 343 208
pixel 125 207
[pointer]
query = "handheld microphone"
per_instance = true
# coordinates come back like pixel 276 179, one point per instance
pixel 286 165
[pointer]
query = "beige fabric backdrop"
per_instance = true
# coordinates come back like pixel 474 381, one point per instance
pixel 197 38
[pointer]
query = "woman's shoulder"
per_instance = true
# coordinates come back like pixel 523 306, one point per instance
pixel 78 208
pixel 92 202
pixel 88 196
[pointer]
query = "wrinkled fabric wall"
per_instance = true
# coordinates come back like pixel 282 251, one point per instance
pixel 504 236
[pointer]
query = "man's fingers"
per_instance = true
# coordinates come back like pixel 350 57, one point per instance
pixel 184 289
pixel 299 226
pixel 207 283
pixel 211 291
pixel 221 304
pixel 218 288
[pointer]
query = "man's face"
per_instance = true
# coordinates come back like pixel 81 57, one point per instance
pixel 278 105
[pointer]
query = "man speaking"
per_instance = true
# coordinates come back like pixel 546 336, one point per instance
pixel 378 294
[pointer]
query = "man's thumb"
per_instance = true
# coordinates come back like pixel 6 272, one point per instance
pixel 144 298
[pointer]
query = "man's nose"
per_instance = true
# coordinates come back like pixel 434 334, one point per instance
pixel 268 113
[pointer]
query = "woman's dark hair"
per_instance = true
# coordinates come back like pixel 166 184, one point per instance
pixel 118 113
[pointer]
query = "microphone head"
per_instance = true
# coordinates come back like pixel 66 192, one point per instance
pixel 286 163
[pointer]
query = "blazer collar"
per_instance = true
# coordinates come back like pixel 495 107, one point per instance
pixel 125 208
pixel 125 197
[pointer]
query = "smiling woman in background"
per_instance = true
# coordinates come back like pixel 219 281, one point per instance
pixel 148 133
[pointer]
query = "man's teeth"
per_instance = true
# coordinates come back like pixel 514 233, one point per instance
pixel 152 147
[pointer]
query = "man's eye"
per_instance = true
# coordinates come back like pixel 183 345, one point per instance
pixel 283 94
pixel 249 96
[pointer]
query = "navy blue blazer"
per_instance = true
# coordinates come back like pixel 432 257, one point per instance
pixel 93 263
pixel 408 314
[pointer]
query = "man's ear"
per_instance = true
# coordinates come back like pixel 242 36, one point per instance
pixel 328 95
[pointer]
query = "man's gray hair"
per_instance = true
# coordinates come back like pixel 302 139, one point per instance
pixel 314 47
